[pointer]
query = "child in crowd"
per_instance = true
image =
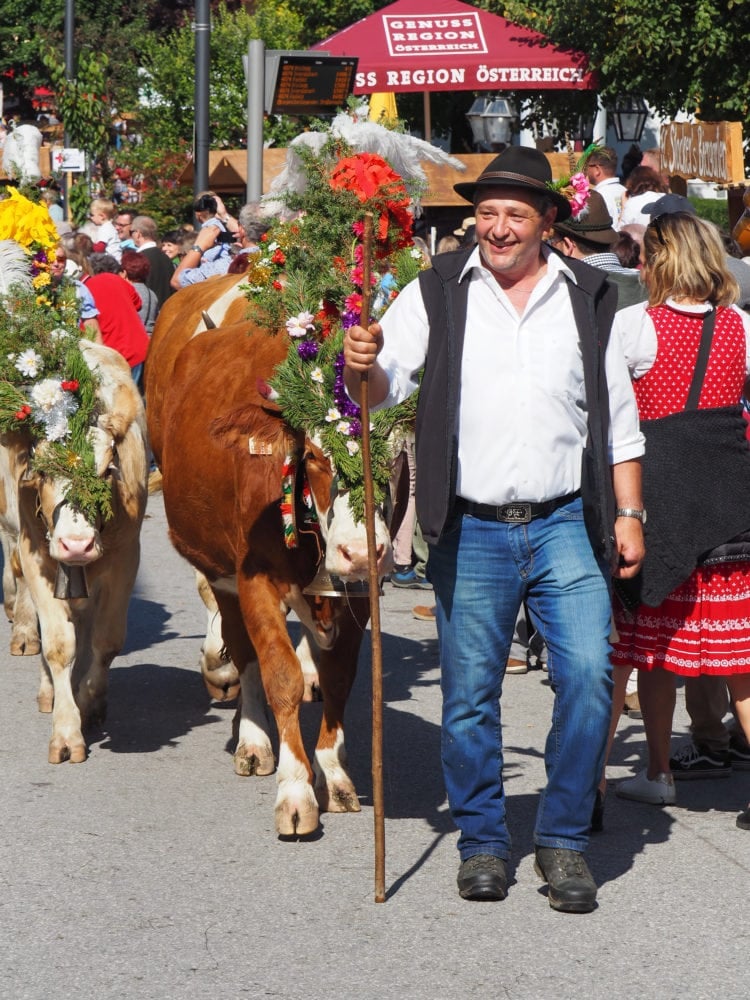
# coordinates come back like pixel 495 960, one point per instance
pixel 101 229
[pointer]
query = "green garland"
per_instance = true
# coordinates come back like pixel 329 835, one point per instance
pixel 39 351
pixel 308 272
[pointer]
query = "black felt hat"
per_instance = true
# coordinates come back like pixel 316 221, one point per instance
pixel 593 224
pixel 520 167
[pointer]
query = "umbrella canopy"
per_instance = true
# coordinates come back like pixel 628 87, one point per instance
pixel 382 106
pixel 432 45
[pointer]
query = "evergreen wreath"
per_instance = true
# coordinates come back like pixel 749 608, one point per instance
pixel 307 279
pixel 46 387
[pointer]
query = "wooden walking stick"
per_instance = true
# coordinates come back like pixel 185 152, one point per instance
pixel 374 582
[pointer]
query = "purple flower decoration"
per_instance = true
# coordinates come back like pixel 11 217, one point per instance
pixel 307 350
pixel 349 317
pixel 346 407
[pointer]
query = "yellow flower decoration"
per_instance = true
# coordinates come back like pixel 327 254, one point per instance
pixel 27 223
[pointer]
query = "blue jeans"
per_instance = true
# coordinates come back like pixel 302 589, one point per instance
pixel 481 572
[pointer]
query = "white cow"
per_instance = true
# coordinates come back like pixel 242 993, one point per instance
pixel 82 635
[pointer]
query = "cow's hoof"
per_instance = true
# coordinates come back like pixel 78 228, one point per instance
pixel 223 683
pixel 296 814
pixel 338 797
pixel 334 789
pixel 61 750
pixel 45 701
pixel 24 645
pixel 253 760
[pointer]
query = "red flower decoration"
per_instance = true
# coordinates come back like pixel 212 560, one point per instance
pixel 24 412
pixel 367 175
pixel 278 257
pixel 69 385
pixel 277 285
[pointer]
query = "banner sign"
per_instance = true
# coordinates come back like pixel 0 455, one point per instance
pixel 707 151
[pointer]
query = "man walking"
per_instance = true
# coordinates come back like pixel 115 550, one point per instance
pixel 527 441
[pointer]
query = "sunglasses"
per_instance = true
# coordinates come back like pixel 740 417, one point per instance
pixel 656 224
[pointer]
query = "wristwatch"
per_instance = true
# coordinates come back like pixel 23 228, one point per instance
pixel 197 249
pixel 639 515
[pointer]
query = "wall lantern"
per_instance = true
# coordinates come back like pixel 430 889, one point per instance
pixel 629 116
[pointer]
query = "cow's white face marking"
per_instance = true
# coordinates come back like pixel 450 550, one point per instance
pixel 346 541
pixel 72 540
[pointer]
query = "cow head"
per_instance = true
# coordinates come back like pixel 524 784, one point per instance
pixel 262 431
pixel 345 540
pixel 73 539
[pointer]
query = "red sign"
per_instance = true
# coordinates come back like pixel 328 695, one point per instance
pixel 418 45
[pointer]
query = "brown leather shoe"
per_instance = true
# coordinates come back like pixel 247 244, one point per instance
pixel 424 613
pixel 483 877
pixel 515 666
pixel 571 887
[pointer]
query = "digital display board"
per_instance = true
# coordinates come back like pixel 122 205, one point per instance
pixel 308 84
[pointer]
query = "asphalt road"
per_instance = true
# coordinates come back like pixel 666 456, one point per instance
pixel 152 871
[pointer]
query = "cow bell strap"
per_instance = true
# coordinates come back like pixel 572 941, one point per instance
pixel 296 499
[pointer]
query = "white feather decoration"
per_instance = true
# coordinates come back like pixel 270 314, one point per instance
pixel 14 266
pixel 404 152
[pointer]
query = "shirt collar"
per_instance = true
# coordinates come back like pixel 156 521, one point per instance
pixel 692 308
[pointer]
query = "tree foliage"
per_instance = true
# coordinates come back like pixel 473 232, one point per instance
pixel 677 54
pixel 168 79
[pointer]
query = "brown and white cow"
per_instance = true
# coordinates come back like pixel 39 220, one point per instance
pixel 182 317
pixel 19 607
pixel 80 636
pixel 222 454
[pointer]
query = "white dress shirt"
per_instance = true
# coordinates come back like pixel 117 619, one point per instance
pixel 612 191
pixel 522 408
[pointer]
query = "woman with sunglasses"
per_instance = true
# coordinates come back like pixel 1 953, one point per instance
pixel 688 350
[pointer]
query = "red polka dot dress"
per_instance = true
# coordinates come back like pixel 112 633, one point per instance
pixel 703 627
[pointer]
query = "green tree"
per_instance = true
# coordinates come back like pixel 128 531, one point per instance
pixel 168 73
pixel 676 54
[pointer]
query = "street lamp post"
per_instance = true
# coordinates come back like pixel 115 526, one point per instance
pixel 202 67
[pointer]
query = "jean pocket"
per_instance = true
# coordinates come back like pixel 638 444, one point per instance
pixel 572 511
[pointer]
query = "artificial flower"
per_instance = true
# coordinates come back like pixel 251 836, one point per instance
pixel 297 326
pixel 28 363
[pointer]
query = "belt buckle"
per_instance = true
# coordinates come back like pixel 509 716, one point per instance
pixel 514 513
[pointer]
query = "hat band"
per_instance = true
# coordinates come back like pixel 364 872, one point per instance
pixel 504 175
pixel 603 227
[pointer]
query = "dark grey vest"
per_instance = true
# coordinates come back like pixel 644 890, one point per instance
pixel 445 299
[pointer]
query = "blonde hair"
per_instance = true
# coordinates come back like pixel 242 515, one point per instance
pixel 684 258
pixel 447 243
pixel 103 205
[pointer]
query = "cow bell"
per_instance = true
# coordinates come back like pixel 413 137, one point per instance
pixel 70 582
pixel 326 585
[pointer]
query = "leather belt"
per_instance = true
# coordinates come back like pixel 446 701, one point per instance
pixel 519 512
